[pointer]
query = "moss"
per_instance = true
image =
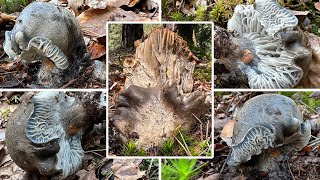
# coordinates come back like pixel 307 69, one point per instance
pixel 11 6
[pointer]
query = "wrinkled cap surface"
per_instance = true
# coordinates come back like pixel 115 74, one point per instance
pixel 268 121
pixel 38 138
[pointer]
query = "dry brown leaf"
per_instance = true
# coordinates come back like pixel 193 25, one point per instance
pixel 7 66
pixel 96 50
pixel 312 78
pixel 117 3
pixel 305 150
pixel 127 169
pixel 317 5
pixel 227 131
pixel 94 20
pixel 276 154
pixel 86 175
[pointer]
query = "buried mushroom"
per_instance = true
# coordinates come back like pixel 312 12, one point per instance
pixel 44 133
pixel 266 126
pixel 269 50
pixel 48 33
pixel 158 97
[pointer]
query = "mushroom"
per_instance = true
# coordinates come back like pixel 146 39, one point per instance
pixel 46 31
pixel 267 124
pixel 44 133
pixel 159 94
pixel 268 32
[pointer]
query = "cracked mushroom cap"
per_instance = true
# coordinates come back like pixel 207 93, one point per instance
pixel 267 31
pixel 268 121
pixel 37 135
pixel 44 30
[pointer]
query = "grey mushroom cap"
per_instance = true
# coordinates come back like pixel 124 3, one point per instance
pixel 44 30
pixel 267 30
pixel 268 121
pixel 37 136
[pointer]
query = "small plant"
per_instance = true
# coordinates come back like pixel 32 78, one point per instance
pixel 181 169
pixel 131 149
pixel 167 148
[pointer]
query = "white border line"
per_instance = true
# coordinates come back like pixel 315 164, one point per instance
pixel 212 96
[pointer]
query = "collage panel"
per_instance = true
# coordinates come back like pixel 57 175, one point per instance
pixel 266 44
pixel 51 45
pixel 159 84
pixel 266 135
pixel 52 134
pixel 133 10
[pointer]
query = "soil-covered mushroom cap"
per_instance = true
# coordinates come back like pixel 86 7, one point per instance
pixel 268 121
pixel 37 135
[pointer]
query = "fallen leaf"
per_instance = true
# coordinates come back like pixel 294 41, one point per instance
pixel 317 5
pixel 96 50
pixel 227 132
pixel 127 169
pixel 305 150
pixel 312 79
pixel 94 20
pixel 276 153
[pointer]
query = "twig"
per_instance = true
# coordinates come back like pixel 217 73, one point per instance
pixel 149 169
pixel 2 54
pixel 290 170
pixel 6 73
pixel 68 84
pixel 200 126
pixel 184 142
pixel 95 150
pixel 182 146
pixel 225 162
pixel 299 101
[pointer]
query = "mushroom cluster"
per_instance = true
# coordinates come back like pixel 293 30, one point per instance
pixel 270 48
pixel 46 32
pixel 266 124
pixel 39 138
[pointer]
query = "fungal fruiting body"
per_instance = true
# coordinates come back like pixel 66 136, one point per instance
pixel 37 135
pixel 45 31
pixel 260 28
pixel 267 123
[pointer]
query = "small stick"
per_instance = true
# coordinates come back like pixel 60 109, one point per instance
pixel 290 170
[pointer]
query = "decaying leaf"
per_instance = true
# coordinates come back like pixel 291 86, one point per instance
pixel 227 132
pixel 317 5
pixel 127 169
pixel 96 50
pixel 94 20
pixel 312 77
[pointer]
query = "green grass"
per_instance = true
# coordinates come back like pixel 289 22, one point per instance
pixel 181 169
pixel 131 149
pixel 167 148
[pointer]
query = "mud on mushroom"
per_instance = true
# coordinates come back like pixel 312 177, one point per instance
pixel 160 89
